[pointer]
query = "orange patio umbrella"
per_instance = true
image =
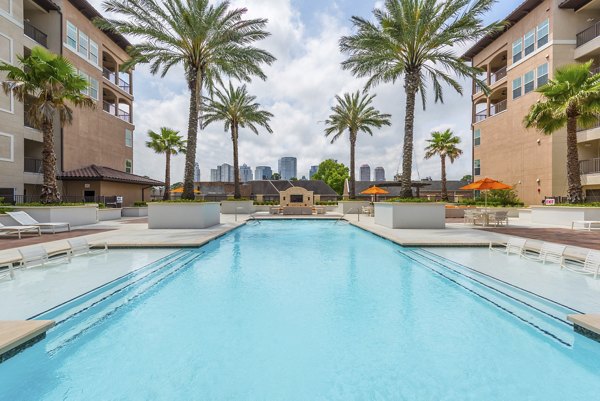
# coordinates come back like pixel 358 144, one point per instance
pixel 374 191
pixel 486 184
pixel 180 190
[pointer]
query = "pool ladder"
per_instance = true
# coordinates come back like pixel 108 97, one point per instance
pixel 348 212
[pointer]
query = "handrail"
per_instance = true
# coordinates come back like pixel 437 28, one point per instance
pixel 35 34
pixel 358 209
pixel 498 75
pixel 588 34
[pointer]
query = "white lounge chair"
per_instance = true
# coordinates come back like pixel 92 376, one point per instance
pixel 37 255
pixel 8 270
pixel 548 253
pixel 80 246
pixel 20 229
pixel 26 220
pixel 586 224
pixel 498 218
pixel 514 245
pixel 591 264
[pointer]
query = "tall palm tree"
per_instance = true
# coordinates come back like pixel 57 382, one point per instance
pixel 415 40
pixel 443 144
pixel 355 113
pixel 51 85
pixel 235 108
pixel 571 99
pixel 169 142
pixel 209 40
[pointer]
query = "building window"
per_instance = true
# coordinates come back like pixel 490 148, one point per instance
pixel 516 88
pixel 529 84
pixel 93 52
pixel 477 167
pixel 93 88
pixel 83 44
pixel 128 138
pixel 542 33
pixel 71 35
pixel 128 166
pixel 529 42
pixel 476 137
pixel 542 75
pixel 517 48
pixel 85 76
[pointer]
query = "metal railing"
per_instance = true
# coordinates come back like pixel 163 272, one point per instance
pixel 588 34
pixel 35 34
pixel 31 165
pixel 109 75
pixel 64 198
pixel 123 115
pixel 595 70
pixel 498 75
pixel 110 108
pixel 591 166
pixel 124 85
pixel 482 115
pixel 498 107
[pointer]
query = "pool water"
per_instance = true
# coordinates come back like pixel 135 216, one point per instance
pixel 306 310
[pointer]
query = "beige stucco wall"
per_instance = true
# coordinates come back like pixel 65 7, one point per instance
pixel 308 197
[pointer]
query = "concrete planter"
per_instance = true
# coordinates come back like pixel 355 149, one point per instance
pixel 189 215
pixel 262 208
pixel 109 214
pixel 239 207
pixel 74 215
pixel 351 206
pixel 410 215
pixel 134 211
pixel 563 215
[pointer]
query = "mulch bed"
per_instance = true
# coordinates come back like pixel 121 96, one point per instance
pixel 584 239
pixel 12 241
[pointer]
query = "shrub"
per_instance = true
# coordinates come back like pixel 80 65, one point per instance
pixel 496 197
pixel 587 204
pixel 266 203
pixel 54 204
pixel 3 210
pixel 327 203
pixel 140 204
pixel 410 200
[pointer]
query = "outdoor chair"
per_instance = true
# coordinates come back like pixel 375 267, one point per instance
pixel 7 270
pixel 498 218
pixel 19 230
pixel 591 264
pixel 548 253
pixel 80 246
pixel 25 219
pixel 586 224
pixel 514 245
pixel 37 256
pixel 470 216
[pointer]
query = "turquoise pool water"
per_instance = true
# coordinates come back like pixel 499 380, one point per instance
pixel 306 310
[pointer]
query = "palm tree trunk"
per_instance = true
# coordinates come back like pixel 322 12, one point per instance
pixel 236 169
pixel 411 84
pixel 195 86
pixel 167 193
pixel 444 188
pixel 352 166
pixel 574 192
pixel 49 188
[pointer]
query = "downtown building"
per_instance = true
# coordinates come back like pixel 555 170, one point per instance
pixel 223 173
pixel 542 36
pixel 245 173
pixel 288 168
pixel 379 174
pixel 263 173
pixel 365 173
pixel 313 170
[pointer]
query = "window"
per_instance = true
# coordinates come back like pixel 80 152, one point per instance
pixel 516 88
pixel 517 48
pixel 128 138
pixel 542 33
pixel 128 166
pixel 476 137
pixel 477 167
pixel 85 76
pixel 93 88
pixel 83 44
pixel 71 35
pixel 529 42
pixel 542 75
pixel 529 84
pixel 93 52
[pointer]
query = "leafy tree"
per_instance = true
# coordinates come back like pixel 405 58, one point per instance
pixel 354 113
pixel 51 84
pixel 276 176
pixel 467 178
pixel 236 108
pixel 209 40
pixel 571 99
pixel 169 142
pixel 416 40
pixel 443 144
pixel 333 173
pixel 177 185
pixel 294 179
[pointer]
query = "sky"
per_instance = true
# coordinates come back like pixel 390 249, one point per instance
pixel 299 91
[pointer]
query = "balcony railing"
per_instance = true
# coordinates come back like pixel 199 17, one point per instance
pixel 35 34
pixel 124 115
pixel 498 107
pixel 595 125
pixel 589 34
pixel 591 166
pixel 498 75
pixel 124 85
pixel 110 108
pixel 109 75
pixel 32 165
pixel 482 115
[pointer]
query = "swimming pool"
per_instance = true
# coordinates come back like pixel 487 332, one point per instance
pixel 306 310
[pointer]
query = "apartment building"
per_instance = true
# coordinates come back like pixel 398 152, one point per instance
pixel 102 137
pixel 541 36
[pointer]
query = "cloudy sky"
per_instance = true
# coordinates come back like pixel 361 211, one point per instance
pixel 299 91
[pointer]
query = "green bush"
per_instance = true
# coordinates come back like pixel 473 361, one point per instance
pixel 266 203
pixel 587 204
pixel 327 203
pixel 140 204
pixel 235 200
pixel 55 204
pixel 410 200
pixel 497 198
pixel 181 201
pixel 3 210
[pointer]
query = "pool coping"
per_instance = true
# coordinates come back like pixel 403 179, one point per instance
pixel 17 335
pixel 587 325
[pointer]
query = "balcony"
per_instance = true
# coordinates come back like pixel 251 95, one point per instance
pixel 109 75
pixel 590 171
pixel 498 75
pixel 498 107
pixel 35 34
pixel 32 165
pixel 124 115
pixel 482 115
pixel 110 108
pixel 588 34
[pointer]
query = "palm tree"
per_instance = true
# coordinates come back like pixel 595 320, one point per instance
pixel 444 144
pixel 235 108
pixel 571 99
pixel 51 85
pixel 414 40
pixel 355 113
pixel 169 142
pixel 209 40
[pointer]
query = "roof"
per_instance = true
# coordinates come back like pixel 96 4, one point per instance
pixel 518 14
pixel 47 5
pixel 574 4
pixel 90 12
pixel 101 173
pixel 273 187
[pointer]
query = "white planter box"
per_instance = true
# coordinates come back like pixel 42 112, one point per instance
pixel 183 214
pixel 134 211
pixel 410 215
pixel 563 215
pixel 353 207
pixel 239 207
pixel 74 215
pixel 112 213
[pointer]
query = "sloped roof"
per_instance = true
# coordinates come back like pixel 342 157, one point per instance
pixel 91 13
pixel 574 4
pixel 273 187
pixel 101 173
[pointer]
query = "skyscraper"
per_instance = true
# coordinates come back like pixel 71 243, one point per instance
pixel 214 174
pixel 379 174
pixel 287 168
pixel 263 173
pixel 313 171
pixel 225 172
pixel 197 173
pixel 365 172
pixel 245 173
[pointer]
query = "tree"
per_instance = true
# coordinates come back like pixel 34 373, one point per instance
pixel 169 142
pixel 276 176
pixel 467 178
pixel 51 85
pixel 209 40
pixel 415 40
pixel 571 99
pixel 333 173
pixel 236 108
pixel 354 113
pixel 443 144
